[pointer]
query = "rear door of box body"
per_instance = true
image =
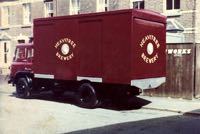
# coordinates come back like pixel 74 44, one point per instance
pixel 116 47
pixel 148 53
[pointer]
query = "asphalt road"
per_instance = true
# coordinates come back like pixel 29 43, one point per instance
pixel 45 114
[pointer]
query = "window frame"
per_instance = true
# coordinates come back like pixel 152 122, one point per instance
pixel 47 7
pixel 173 5
pixel 173 11
pixel 138 2
pixel 74 8
pixel 103 6
pixel 27 13
pixel 5 10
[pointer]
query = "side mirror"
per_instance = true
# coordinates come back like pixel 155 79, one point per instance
pixel 14 58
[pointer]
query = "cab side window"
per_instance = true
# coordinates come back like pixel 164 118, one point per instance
pixel 30 53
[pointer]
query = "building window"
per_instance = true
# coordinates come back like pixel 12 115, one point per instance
pixel 74 7
pixel 5 16
pixel 102 5
pixel 138 4
pixel 27 13
pixel 5 53
pixel 173 4
pixel 172 8
pixel 48 9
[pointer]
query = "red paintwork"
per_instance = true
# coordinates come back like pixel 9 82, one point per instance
pixel 107 46
pixel 23 63
pixel 148 25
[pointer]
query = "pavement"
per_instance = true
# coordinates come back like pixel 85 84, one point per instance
pixel 3 79
pixel 182 106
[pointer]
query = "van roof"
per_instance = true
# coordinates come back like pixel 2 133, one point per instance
pixel 140 13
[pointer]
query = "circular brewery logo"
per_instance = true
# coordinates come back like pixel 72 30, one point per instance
pixel 150 46
pixel 65 48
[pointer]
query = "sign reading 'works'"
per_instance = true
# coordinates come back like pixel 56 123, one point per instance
pixel 178 52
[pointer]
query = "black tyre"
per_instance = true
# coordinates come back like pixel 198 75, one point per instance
pixel 86 96
pixel 22 88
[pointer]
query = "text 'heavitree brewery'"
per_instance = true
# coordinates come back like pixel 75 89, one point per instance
pixel 151 44
pixel 66 45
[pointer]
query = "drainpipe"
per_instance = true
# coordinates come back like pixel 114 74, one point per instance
pixel 195 45
pixel 56 7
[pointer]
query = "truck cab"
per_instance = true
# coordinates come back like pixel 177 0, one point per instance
pixel 22 61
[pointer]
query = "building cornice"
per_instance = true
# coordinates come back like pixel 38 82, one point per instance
pixel 13 3
pixel 16 26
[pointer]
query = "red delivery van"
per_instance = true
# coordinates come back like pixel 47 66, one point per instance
pixel 113 53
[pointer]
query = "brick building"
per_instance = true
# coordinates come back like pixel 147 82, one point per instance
pixel 16 17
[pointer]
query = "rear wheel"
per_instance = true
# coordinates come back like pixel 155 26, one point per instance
pixel 22 88
pixel 87 96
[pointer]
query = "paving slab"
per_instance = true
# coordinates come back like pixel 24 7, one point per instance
pixel 174 105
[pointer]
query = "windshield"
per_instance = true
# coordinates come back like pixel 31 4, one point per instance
pixel 23 54
pixel 20 54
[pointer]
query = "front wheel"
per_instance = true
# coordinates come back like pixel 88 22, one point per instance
pixel 22 88
pixel 86 96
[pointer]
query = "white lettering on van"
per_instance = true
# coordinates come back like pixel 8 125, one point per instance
pixel 151 45
pixel 65 48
